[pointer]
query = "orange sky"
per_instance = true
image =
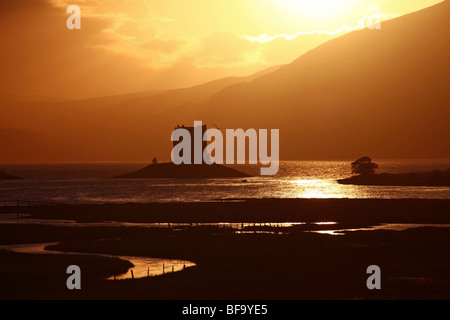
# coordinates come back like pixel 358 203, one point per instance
pixel 129 46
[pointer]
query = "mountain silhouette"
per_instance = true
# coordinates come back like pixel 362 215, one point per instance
pixel 379 92
pixel 104 128
pixel 383 92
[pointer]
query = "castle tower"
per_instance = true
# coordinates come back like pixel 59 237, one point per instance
pixel 191 132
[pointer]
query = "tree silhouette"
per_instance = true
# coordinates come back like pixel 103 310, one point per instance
pixel 364 166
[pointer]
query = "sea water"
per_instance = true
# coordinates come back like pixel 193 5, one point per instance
pixel 90 183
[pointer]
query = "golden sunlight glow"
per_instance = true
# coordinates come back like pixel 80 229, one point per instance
pixel 317 8
pixel 136 46
pixel 316 189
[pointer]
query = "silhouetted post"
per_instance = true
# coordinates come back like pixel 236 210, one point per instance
pixel 148 272
pixel 132 274
pixel 184 266
pixel 172 268
pixel 163 269
pixel 114 277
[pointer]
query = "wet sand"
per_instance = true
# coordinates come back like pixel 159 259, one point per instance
pixel 414 263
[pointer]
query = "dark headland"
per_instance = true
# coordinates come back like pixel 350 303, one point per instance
pixel 435 178
pixel 183 171
pixel 5 176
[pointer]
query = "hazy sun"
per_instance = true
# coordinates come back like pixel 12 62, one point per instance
pixel 317 8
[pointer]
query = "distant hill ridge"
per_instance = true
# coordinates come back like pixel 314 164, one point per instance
pixel 379 92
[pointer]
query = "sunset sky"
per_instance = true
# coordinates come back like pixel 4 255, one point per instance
pixel 129 46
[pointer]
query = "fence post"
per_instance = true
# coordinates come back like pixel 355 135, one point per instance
pixel 163 269
pixel 132 274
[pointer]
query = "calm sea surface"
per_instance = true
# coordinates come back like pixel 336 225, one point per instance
pixel 89 183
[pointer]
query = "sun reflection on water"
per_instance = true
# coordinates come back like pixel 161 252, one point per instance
pixel 318 189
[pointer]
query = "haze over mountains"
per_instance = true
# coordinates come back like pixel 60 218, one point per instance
pixel 37 128
pixel 382 93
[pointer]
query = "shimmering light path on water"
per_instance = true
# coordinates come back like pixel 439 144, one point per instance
pixel 88 183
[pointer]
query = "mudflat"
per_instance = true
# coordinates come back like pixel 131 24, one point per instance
pixel 265 261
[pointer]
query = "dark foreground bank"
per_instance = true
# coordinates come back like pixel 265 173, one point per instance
pixel 251 210
pixel 289 265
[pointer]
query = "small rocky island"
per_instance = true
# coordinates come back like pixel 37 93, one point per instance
pixel 365 170
pixel 183 171
pixel 5 176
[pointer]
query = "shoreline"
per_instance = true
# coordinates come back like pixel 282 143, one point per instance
pixel 249 210
pixel 253 266
pixel 295 266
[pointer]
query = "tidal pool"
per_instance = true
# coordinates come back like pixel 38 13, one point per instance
pixel 143 266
